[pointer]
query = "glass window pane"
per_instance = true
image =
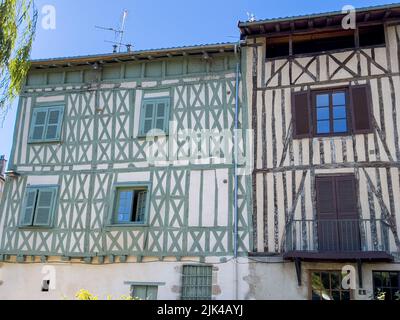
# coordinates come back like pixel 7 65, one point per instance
pixel 124 209
pixel 325 280
pixel 339 99
pixel 139 292
pixel 377 279
pixel 323 126
pixel 340 125
pixel 335 280
pixel 336 295
pixel 322 100
pixel 385 278
pixel 151 293
pixel 394 279
pixel 339 112
pixel 323 113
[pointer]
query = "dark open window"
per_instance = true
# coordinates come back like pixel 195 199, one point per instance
pixel 386 285
pixel 318 42
pixel 277 48
pixel 323 42
pixel 372 36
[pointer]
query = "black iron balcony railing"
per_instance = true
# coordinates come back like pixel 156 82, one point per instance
pixel 346 236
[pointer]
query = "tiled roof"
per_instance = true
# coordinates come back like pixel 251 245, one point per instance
pixel 138 52
pixel 315 15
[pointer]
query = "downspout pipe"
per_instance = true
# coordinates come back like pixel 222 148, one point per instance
pixel 235 168
pixel 235 157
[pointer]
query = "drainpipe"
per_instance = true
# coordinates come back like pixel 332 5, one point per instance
pixel 235 161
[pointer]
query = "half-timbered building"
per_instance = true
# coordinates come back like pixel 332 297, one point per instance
pixel 103 192
pixel 324 104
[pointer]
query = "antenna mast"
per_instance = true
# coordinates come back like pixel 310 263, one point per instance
pixel 118 34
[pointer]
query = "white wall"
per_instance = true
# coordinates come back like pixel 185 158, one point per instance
pixel 24 281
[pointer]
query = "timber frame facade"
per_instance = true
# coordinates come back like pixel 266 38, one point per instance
pixel 85 205
pixel 287 77
pixel 189 211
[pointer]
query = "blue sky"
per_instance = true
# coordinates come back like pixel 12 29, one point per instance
pixel 154 24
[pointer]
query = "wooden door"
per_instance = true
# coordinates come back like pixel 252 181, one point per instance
pixel 338 224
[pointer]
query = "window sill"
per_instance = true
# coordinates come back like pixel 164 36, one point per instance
pixel 58 141
pixel 125 225
pixel 333 135
pixel 33 228
pixel 142 137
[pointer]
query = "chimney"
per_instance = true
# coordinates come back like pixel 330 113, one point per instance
pixel 3 163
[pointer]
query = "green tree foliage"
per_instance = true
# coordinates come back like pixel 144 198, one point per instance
pixel 17 29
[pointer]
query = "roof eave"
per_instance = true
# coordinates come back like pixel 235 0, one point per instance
pixel 133 55
pixel 243 24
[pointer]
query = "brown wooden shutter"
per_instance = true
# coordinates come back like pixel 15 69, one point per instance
pixel 361 104
pixel 301 114
pixel 326 202
pixel 328 235
pixel 348 224
pixel 346 197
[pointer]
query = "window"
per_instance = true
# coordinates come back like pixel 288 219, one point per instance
pixel 130 205
pixel 39 206
pixel 369 36
pixel 327 285
pixel 197 283
pixel 328 112
pixel 331 113
pixel 144 292
pixel 387 283
pixel 277 48
pixel 154 115
pixel 46 124
pixel 372 36
pixel 323 42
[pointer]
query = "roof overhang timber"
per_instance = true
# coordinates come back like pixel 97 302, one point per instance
pixel 317 22
pixel 141 55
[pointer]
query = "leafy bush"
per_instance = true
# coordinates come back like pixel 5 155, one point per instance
pixel 86 295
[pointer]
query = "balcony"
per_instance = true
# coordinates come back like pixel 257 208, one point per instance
pixel 338 240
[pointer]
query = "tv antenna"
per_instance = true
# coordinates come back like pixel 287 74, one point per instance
pixel 251 17
pixel 118 34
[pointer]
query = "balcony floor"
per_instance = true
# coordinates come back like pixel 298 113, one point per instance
pixel 373 256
